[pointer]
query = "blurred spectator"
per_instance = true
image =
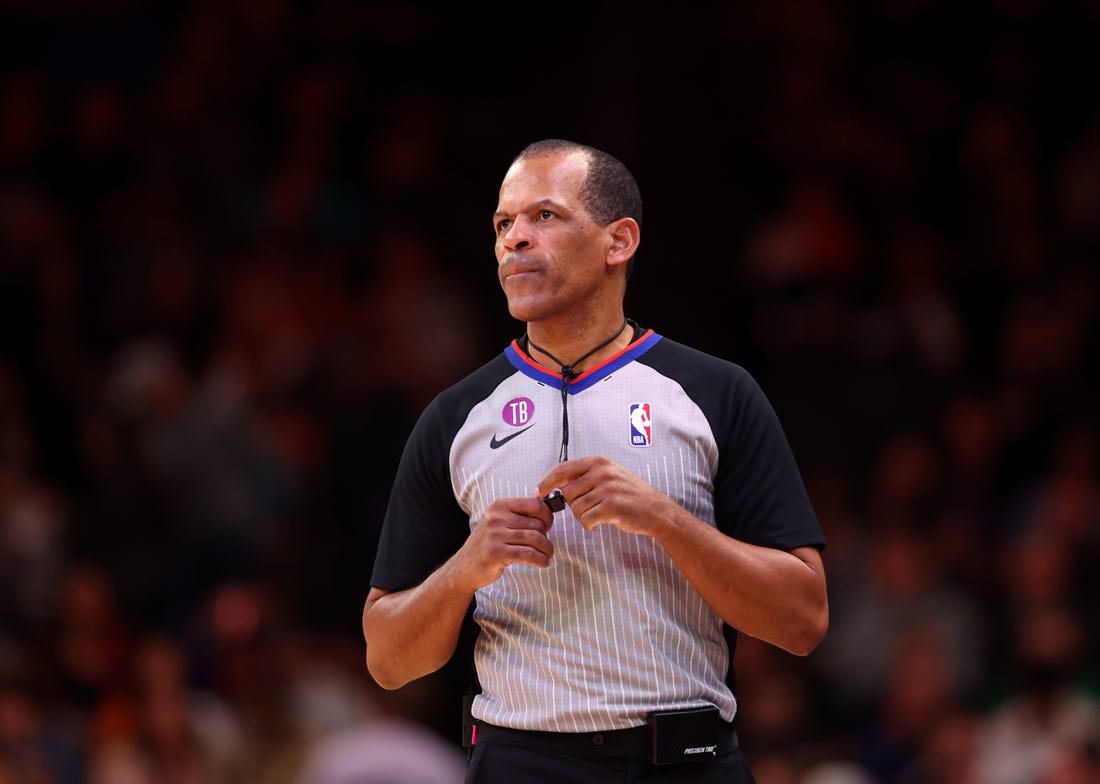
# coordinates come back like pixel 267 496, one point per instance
pixel 1074 763
pixel 835 772
pixel 904 594
pixel 778 720
pixel 33 521
pixel 215 485
pixel 159 723
pixel 916 315
pixel 904 494
pixel 947 755
pixel 919 696
pixel 1049 714
pixel 397 751
pixel 31 750
pixel 86 653
pixel 382 741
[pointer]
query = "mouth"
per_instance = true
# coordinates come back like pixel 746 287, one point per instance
pixel 512 269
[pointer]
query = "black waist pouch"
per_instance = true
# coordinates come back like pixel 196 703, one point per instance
pixel 689 735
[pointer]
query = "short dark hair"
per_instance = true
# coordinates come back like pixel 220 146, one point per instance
pixel 610 192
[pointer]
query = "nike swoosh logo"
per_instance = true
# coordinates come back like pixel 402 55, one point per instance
pixel 497 443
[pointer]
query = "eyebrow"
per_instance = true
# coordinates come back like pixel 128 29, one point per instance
pixel 540 204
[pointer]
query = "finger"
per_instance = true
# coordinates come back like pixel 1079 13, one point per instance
pixel 535 509
pixel 521 513
pixel 519 545
pixel 582 485
pixel 563 473
pixel 530 556
pixel 585 506
pixel 524 542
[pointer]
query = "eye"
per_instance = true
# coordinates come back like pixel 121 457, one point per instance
pixel 503 224
pixel 545 215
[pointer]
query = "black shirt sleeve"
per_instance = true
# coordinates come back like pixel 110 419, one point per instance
pixel 424 525
pixel 759 493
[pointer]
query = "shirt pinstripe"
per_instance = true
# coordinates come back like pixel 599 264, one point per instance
pixel 611 630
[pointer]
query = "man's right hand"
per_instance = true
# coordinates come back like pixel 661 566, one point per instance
pixel 512 530
pixel 414 632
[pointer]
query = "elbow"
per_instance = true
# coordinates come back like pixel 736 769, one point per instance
pixel 810 632
pixel 393 673
pixel 813 616
pixel 387 684
pixel 377 663
pixel 382 675
pixel 807 605
pixel 379 666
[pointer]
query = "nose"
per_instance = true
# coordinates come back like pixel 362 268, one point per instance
pixel 518 235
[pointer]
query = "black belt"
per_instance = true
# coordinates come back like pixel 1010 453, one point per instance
pixel 632 743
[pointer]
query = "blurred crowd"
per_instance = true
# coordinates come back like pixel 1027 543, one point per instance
pixel 243 243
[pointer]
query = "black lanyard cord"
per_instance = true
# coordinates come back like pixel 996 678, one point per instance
pixel 568 373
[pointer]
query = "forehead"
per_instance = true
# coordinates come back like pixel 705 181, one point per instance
pixel 556 178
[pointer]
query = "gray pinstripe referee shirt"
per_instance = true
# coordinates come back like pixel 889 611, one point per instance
pixel 611 630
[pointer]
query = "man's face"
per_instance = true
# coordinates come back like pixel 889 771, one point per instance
pixel 551 255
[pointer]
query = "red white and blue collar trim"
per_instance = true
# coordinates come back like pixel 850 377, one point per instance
pixel 528 367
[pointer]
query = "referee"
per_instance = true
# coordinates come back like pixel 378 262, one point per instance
pixel 606 508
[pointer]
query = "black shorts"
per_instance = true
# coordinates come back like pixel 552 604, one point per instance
pixel 504 756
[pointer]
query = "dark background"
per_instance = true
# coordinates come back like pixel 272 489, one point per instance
pixel 243 243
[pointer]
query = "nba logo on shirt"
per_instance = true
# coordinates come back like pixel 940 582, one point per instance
pixel 641 427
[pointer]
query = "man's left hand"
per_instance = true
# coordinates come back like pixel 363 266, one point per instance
pixel 601 492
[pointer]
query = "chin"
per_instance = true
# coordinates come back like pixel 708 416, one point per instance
pixel 523 310
pixel 521 315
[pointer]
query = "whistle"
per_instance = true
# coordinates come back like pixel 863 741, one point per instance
pixel 555 500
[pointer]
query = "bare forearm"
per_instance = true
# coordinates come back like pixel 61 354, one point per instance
pixel 412 633
pixel 770 594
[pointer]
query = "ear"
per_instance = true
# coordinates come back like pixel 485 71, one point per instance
pixel 625 235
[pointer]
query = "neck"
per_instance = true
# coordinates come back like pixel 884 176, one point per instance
pixel 577 352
